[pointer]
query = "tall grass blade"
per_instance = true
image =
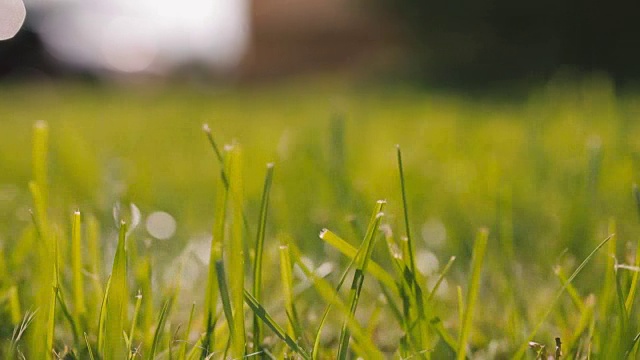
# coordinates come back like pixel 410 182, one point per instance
pixel 351 252
pixel 479 250
pixel 270 322
pixel 286 278
pixel 235 255
pixel 316 344
pixel 405 208
pixel 102 317
pixel 441 277
pixel 224 296
pixel 51 326
pixel 89 349
pixel 134 321
pixel 159 329
pixel 259 250
pixel 631 295
pixel 609 281
pixel 117 301
pixel 211 296
pixel 76 259
pixel 358 278
pixel 523 348
pixel 412 277
pixel 182 354
pixel 330 296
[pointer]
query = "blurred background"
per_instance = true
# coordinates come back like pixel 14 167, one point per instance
pixel 458 44
pixel 516 116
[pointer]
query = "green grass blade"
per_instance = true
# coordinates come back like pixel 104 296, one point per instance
pixel 235 255
pixel 259 250
pixel 631 295
pixel 316 344
pixel 89 350
pixel 270 322
pixel 286 279
pixel 102 318
pixel 45 277
pixel 224 171
pixel 134 321
pixel 413 277
pixel 405 208
pixel 51 326
pixel 477 261
pixel 441 277
pixel 14 305
pixel 76 259
pixel 609 279
pixel 347 249
pixel 224 296
pixel 211 296
pixel 330 296
pixel 358 278
pixel 75 330
pixel 523 348
pixel 571 290
pixel 117 301
pixel 438 327
pixel 182 354
pixel 159 330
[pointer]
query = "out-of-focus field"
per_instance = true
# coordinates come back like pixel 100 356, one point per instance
pixel 550 176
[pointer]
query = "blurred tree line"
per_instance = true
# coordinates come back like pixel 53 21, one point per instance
pixel 464 42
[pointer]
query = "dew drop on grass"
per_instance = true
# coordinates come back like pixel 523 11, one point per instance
pixel 161 225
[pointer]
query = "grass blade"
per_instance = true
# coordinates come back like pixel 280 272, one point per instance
pixel 102 319
pixel 134 320
pixel 159 329
pixel 51 326
pixel 286 278
pixel 259 250
pixel 316 344
pixel 224 296
pixel 405 208
pixel 330 296
pixel 89 350
pixel 631 295
pixel 348 250
pixel 268 320
pixel 358 278
pixel 117 301
pixel 410 273
pixel 523 348
pixel 441 277
pixel 211 296
pixel 235 256
pixel 76 259
pixel 479 250
pixel 182 355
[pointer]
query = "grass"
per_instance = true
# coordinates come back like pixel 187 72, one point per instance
pixel 510 227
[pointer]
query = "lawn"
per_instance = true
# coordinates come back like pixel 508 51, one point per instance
pixel 510 221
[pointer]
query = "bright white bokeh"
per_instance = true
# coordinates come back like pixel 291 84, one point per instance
pixel 12 15
pixel 144 35
pixel 161 225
